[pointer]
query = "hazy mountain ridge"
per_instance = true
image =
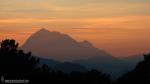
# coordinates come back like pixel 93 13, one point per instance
pixel 69 67
pixel 66 67
pixel 133 60
pixel 51 46
pixel 60 46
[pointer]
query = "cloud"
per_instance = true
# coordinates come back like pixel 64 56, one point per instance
pixel 105 22
pixel 73 8
pixel 23 20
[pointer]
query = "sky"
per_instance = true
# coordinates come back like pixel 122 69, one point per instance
pixel 121 27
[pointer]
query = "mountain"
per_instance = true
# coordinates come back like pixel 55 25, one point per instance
pixel 49 62
pixel 139 75
pixel 133 60
pixel 112 66
pixel 68 67
pixel 58 46
pixel 61 47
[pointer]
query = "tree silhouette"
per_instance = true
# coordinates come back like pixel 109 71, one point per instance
pixel 15 64
pixel 13 60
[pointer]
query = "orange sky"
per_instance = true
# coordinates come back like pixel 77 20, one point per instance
pixel 117 26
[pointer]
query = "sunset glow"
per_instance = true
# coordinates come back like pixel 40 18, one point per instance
pixel 121 27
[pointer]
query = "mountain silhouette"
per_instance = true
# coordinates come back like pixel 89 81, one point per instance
pixel 49 62
pixel 133 60
pixel 59 46
pixel 66 67
pixel 139 75
pixel 69 67
pixel 55 47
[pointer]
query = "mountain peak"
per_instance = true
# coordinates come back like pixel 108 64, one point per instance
pixel 59 46
pixel 43 30
pixel 87 43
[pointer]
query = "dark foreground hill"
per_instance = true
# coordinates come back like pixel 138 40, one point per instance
pixel 19 67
